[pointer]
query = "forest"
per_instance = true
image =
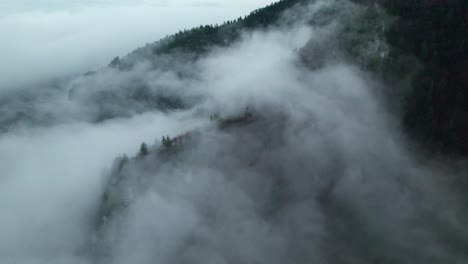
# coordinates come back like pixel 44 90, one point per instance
pixel 427 61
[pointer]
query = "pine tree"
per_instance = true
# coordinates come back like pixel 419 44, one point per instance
pixel 144 149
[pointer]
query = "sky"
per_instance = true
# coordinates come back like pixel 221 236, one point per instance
pixel 45 39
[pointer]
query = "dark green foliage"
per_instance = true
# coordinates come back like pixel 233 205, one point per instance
pixel 244 119
pixel 145 96
pixel 121 162
pixel 435 96
pixel 167 142
pixel 268 15
pixel 115 63
pixel 201 39
pixel 143 150
pixel 362 36
pixel 427 64
pixel 436 33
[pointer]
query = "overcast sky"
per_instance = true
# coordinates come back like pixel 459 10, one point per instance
pixel 42 39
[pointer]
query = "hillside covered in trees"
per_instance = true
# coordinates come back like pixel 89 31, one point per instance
pixel 427 60
pixel 308 131
pixel 318 173
pixel 436 105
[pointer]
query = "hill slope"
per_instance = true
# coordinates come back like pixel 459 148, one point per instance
pixel 295 159
pixel 281 137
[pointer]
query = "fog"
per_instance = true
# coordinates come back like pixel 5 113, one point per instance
pixel 43 40
pixel 290 156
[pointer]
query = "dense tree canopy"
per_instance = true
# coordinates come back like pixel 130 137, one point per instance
pixel 200 39
pixel 436 33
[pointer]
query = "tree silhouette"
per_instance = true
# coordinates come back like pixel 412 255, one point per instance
pixel 144 149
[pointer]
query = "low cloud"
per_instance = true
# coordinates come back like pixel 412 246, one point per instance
pixel 53 40
pixel 285 160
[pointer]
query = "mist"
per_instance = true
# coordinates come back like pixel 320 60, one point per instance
pixel 47 40
pixel 288 154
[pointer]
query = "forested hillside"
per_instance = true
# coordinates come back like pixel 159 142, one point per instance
pixel 299 159
pixel 436 33
pixel 199 40
pixel 427 61
pixel 308 131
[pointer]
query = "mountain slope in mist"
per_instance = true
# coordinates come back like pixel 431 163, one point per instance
pixel 271 139
pixel 298 163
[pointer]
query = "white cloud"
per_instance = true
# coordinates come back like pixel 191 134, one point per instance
pixel 48 39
